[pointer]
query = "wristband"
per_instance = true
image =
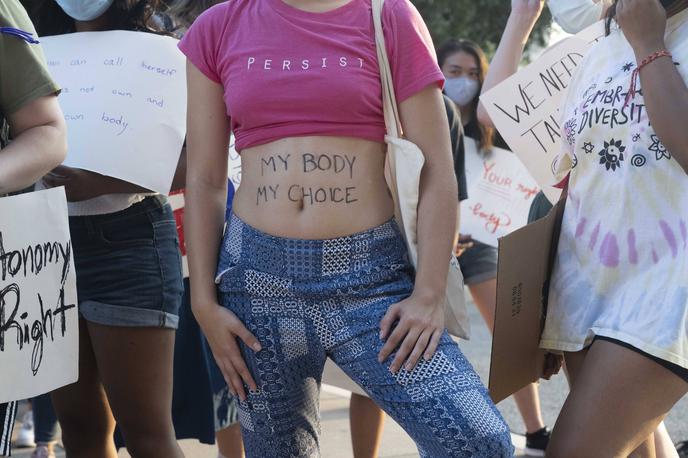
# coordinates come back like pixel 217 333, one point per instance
pixel 636 73
pixel 26 36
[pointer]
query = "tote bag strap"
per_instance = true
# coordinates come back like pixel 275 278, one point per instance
pixel 391 112
pixel 389 99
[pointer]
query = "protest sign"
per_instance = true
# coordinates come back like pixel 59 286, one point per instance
pixel 124 100
pixel 525 109
pixel 500 191
pixel 517 359
pixel 39 328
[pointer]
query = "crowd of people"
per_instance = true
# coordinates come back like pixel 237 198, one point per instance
pixel 228 343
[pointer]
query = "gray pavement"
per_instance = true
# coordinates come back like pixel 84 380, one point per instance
pixel 396 444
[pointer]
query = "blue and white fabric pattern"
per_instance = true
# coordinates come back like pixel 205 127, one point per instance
pixel 308 300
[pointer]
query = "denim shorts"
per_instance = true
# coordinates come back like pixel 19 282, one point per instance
pixel 478 263
pixel 128 266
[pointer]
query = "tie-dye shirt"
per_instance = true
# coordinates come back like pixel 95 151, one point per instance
pixel 622 264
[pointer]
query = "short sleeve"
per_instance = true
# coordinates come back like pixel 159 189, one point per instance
pixel 24 76
pixel 410 49
pixel 200 44
pixel 458 150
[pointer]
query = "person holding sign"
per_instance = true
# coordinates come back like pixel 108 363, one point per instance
pixel 574 17
pixel 128 278
pixel 31 117
pixel 465 66
pixel 29 111
pixel 617 304
pixel 312 264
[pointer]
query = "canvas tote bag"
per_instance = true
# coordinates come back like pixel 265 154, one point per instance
pixel 403 168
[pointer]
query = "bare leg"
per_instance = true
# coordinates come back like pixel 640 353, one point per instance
pixel 229 442
pixel 664 446
pixel 646 449
pixel 618 398
pixel 527 399
pixel 83 410
pixel 136 370
pixel 367 422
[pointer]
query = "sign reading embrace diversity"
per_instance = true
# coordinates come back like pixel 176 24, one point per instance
pixel 500 192
pixel 124 100
pixel 39 322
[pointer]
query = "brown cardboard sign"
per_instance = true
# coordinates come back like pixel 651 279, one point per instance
pixel 525 263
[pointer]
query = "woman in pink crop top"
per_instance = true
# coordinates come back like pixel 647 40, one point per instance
pixel 312 264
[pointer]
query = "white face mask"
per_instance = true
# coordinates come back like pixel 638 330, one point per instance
pixel 575 15
pixel 85 10
pixel 461 90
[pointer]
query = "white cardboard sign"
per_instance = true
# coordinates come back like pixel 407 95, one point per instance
pixel 124 100
pixel 500 192
pixel 39 322
pixel 525 109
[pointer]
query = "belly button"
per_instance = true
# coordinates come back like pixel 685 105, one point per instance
pixel 301 201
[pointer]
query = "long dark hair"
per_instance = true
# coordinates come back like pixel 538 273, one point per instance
pixel 611 16
pixel 184 12
pixel 484 133
pixel 135 15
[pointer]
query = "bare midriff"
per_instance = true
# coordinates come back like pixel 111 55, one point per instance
pixel 313 187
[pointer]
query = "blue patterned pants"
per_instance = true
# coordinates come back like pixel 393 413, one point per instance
pixel 308 300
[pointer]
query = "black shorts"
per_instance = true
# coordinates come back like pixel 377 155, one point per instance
pixel 675 368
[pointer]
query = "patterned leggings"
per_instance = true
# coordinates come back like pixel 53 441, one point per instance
pixel 307 300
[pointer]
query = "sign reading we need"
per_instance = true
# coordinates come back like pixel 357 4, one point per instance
pixel 124 100
pixel 500 192
pixel 39 322
pixel 525 109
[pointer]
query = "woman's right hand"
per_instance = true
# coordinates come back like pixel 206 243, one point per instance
pixel 463 243
pixel 222 328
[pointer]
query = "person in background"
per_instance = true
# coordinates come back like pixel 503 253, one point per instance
pixel 129 280
pixel 465 66
pixel 573 17
pixel 45 427
pixel 31 118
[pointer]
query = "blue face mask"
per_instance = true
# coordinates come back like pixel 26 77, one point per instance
pixel 85 10
pixel 461 90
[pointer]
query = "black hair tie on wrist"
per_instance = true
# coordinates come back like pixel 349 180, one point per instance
pixel 26 36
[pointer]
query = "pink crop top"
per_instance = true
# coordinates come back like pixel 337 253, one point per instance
pixel 287 72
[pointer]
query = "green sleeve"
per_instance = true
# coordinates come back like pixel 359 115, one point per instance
pixel 24 76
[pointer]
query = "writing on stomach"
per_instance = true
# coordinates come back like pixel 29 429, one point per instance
pixel 315 186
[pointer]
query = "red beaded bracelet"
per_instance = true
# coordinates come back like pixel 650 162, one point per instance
pixel 636 73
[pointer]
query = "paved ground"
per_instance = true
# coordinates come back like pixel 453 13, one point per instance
pixel 396 444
